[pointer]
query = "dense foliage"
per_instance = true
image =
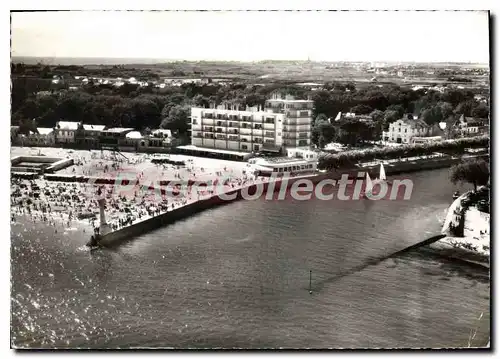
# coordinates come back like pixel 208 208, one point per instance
pixel 349 158
pixel 35 95
pixel 476 172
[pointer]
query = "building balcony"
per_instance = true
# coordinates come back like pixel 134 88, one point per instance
pixel 269 134
pixel 298 114
pixel 297 136
pixel 295 130
pixel 298 122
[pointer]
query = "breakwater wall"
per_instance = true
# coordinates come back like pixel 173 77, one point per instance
pixel 213 201
pixel 174 215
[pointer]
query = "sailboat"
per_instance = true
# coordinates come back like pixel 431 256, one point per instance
pixel 368 186
pixel 382 176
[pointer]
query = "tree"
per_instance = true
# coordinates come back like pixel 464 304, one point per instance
pixel 481 111
pixel 377 115
pixel 398 108
pixel 391 116
pixel 351 131
pixel 177 119
pixel 476 172
pixel 361 109
pixel 323 132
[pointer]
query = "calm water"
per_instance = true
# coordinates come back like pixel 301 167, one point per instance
pixel 238 276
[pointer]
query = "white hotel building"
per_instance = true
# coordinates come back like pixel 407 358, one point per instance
pixel 283 123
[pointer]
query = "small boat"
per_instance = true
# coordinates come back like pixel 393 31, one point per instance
pixel 368 186
pixel 382 176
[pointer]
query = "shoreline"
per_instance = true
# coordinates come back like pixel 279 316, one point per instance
pixel 214 200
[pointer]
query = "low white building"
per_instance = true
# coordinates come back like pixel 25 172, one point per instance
pixel 282 165
pixel 65 131
pixel 469 126
pixel 133 138
pixel 403 130
pixel 304 153
pixel 158 138
pixel 44 137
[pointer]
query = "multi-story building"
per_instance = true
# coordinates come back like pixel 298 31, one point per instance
pixel 297 121
pixel 114 137
pixel 469 126
pixel 88 135
pixel 66 130
pixel 283 122
pixel 403 130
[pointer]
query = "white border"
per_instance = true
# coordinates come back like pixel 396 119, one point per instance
pixel 187 5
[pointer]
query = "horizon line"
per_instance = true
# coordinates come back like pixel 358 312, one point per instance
pixel 160 60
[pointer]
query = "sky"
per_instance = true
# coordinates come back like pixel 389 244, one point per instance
pixel 441 36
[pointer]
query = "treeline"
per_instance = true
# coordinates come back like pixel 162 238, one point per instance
pixel 129 105
pixel 384 105
pixel 350 158
pixel 149 107
pixel 70 71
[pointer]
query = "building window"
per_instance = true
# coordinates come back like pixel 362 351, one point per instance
pixel 406 130
pixel 195 122
pixel 399 129
pixel 244 147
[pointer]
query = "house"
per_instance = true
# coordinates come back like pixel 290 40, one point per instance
pixel 114 137
pixel 42 137
pixel 470 126
pixel 133 139
pixel 88 135
pixel 403 130
pixel 66 131
pixel 158 138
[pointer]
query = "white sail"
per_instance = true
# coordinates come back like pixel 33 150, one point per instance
pixel 382 176
pixel 369 184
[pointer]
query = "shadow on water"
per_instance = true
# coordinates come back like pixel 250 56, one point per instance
pixel 480 273
pixel 114 246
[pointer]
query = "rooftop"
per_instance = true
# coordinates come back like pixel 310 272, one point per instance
pixel 68 125
pixel 214 150
pixel 283 100
pixel 118 130
pixel 281 160
pixel 93 127
pixel 164 132
pixel 133 135
pixel 45 130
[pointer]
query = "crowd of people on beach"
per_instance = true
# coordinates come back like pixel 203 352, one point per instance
pixel 50 202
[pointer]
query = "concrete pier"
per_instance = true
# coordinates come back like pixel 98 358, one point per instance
pixel 189 209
